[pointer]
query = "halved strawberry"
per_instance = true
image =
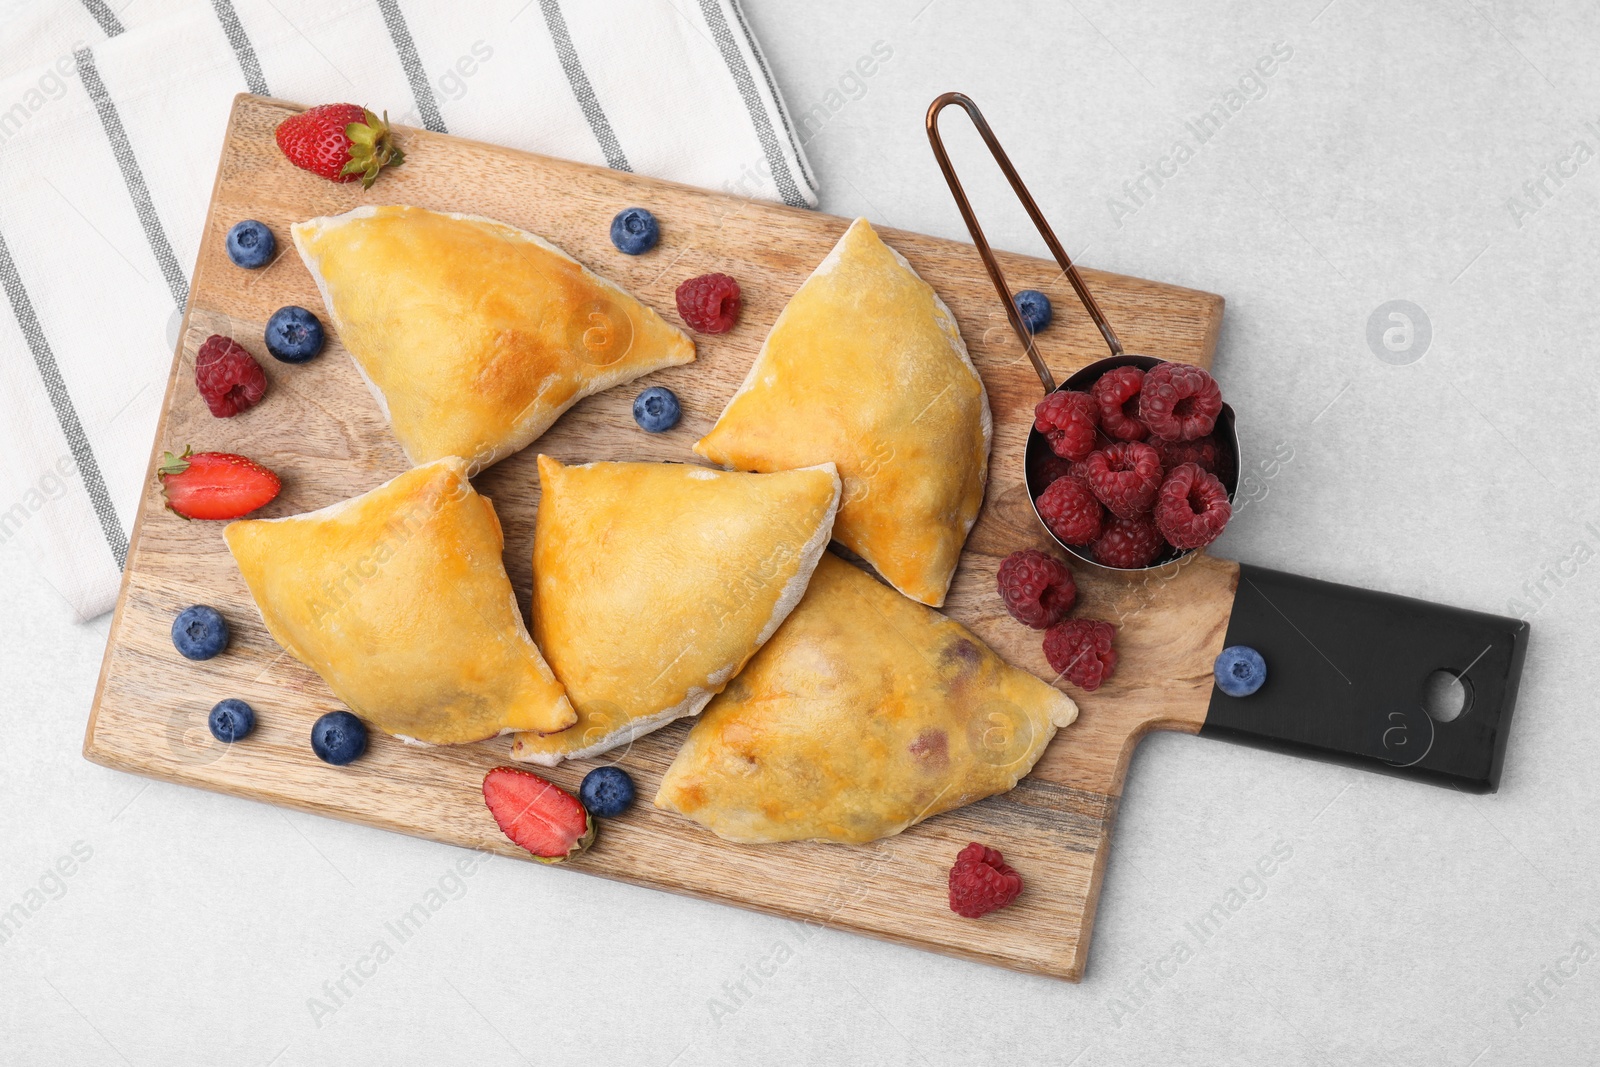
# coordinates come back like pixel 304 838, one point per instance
pixel 538 815
pixel 215 485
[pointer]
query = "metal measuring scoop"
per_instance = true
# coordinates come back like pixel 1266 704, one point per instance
pixel 1038 456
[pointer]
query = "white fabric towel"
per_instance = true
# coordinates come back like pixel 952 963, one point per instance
pixel 111 121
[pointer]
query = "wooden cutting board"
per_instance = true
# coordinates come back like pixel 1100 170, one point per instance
pixel 320 429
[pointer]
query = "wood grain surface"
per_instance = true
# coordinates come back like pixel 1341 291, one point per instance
pixel 321 431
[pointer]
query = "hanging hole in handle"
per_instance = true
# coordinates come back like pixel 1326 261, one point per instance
pixel 1446 695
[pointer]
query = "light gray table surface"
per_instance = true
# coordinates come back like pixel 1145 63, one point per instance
pixel 1396 152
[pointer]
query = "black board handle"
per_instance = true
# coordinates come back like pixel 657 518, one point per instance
pixel 1347 676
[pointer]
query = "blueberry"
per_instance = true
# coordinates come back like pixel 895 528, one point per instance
pixel 338 738
pixel 635 231
pixel 250 244
pixel 1240 670
pixel 606 791
pixel 231 720
pixel 199 632
pixel 656 409
pixel 294 335
pixel 1034 307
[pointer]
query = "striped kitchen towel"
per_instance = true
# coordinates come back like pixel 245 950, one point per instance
pixel 111 120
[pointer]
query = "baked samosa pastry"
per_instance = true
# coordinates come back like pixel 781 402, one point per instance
pixel 653 583
pixel 399 599
pixel 865 714
pixel 474 335
pixel 866 367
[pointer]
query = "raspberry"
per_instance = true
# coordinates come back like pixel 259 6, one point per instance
pixel 1179 402
pixel 1054 466
pixel 1205 452
pixel 1051 467
pixel 1129 543
pixel 709 303
pixel 1193 507
pixel 1125 476
pixel 1116 396
pixel 1071 511
pixel 1080 649
pixel 1067 421
pixel 229 378
pixel 1037 589
pixel 980 882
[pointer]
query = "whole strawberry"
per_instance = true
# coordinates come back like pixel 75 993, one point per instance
pixel 340 142
pixel 215 485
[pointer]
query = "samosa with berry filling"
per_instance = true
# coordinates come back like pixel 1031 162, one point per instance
pixel 474 335
pixel 654 583
pixel 865 714
pixel 399 599
pixel 866 368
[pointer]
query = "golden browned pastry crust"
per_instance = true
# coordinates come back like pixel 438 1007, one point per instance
pixel 474 335
pixel 653 583
pixel 865 714
pixel 398 598
pixel 866 367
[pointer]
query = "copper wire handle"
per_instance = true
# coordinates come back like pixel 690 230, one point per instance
pixel 989 262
